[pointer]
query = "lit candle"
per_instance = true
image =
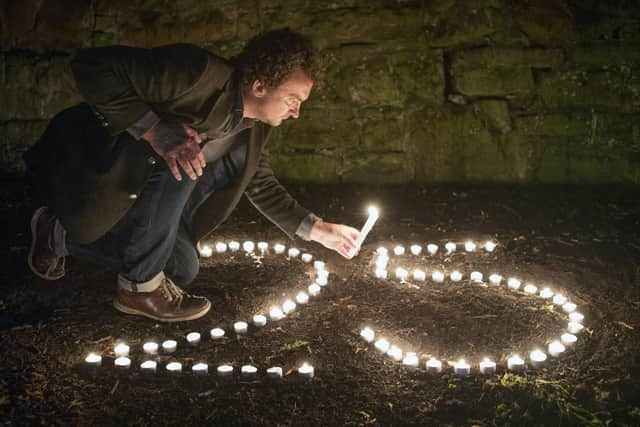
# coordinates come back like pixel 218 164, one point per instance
pixel 248 246
pixel 469 246
pixel 234 246
pixel 437 276
pixel 318 265
pixel 476 276
pixel 530 289
pixel 450 247
pixel 515 363
pixel 432 249
pixel 121 350
pixel 382 345
pixel 398 250
pixel 576 317
pixel 410 359
pixel 217 333
pixel 306 370
pixel 568 339
pixel 240 327
pixel 381 273
pixel 401 274
pixel 322 275
pixel 206 251
pixel 556 348
pixel 456 276
pixel 259 320
pixel 419 275
pixel 395 353
pixel 537 357
pixel 559 299
pixel 279 248
pixel 225 370
pixel 546 293
pixel 302 298
pixel 434 366
pixel 262 247
pixel 93 359
pixel 169 346
pixel 122 362
pixel 495 279
pixel 200 369
pixel 489 246
pixel 382 261
pixel 150 347
pixel 366 228
pixel 569 307
pixel 513 283
pixel 174 367
pixel 248 371
pixel 314 289
pixel 193 338
pixel 221 247
pixel 148 366
pixel 274 373
pixel 487 367
pixel 382 251
pixel 462 368
pixel 293 252
pixel 276 313
pixel 574 327
pixel 368 334
pixel 415 249
pixel 322 280
pixel 288 306
pixel 306 257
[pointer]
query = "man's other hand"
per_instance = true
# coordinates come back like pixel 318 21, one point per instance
pixel 340 238
pixel 177 145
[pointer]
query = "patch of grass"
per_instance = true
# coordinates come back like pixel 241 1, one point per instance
pixel 288 348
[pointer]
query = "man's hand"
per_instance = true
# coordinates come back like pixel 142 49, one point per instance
pixel 340 238
pixel 177 145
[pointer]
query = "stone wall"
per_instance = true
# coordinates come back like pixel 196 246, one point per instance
pixel 418 91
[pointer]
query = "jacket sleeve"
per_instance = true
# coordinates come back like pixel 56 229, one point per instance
pixel 123 83
pixel 274 202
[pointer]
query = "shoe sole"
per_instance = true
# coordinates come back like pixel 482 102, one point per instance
pixel 132 311
pixel 34 222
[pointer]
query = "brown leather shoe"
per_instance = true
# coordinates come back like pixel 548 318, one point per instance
pixel 42 259
pixel 168 303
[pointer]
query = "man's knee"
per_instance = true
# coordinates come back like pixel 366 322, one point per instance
pixel 186 269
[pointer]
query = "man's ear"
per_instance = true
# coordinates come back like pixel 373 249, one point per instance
pixel 258 89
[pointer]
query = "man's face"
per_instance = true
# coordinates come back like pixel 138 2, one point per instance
pixel 280 103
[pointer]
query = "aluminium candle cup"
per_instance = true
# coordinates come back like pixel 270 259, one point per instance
pixel 569 307
pixel 574 327
pixel 293 252
pixel 398 250
pixel 401 274
pixel 382 273
pixel 395 353
pixel 200 369
pixel 456 276
pixel 537 357
pixel 322 281
pixel 225 371
pixel 489 246
pixel 469 246
pixel 216 333
pixel 206 251
pixel 288 306
pixel 530 289
pixel 568 339
pixel 546 293
pixel 259 320
pixel 513 283
pixel 576 317
pixel 318 265
pixel 121 350
pixel 368 334
pixel 122 362
pixel 415 249
pixel 193 338
pixel 450 247
pixel 302 298
pixel 495 279
pixel 174 368
pixel 221 247
pixel 314 289
pixel 556 348
pixel 240 327
pixel 262 247
pixel 234 246
pixel 432 249
pixel 559 299
pixel 150 347
pixel 279 248
pixel 410 359
pixel 148 367
pixel 434 366
pixel 382 250
pixel 306 258
pixel 169 346
pixel 248 246
pixel 276 313
pixel 93 360
pixel 487 367
pixel 515 363
pixel 437 276
pixel 306 371
pixel 419 275
pixel 476 276
pixel 462 368
pixel 248 372
pixel 382 345
pixel 274 373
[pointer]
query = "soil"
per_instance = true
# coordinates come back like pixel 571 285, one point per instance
pixel 579 240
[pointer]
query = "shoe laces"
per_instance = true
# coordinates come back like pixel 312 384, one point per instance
pixel 170 291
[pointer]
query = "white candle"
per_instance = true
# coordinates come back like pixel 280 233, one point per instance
pixel 193 338
pixel 576 317
pixel 148 366
pixel 419 275
pixel 569 307
pixel 382 251
pixel 276 313
pixel 513 283
pixel 450 247
pixel 322 281
pixel 248 246
pixel 476 276
pixel 221 247
pixel 382 261
pixel 381 273
pixel 559 299
pixel 401 274
pixel 150 347
pixel 415 249
pixel 462 368
pixel 410 359
pixel 366 228
pixel 456 276
pixel 93 359
pixel 174 367
pixel 515 363
pixel 169 346
pixel 217 333
pixel 469 246
pixel 318 265
pixel 489 246
pixel 293 252
pixel 322 274
pixel 434 366
pixel 121 350
pixel 302 298
pixel 200 369
pixel 306 370
pixel 234 246
pixel 546 293
pixel 206 251
pixel 262 247
pixel 530 289
pixel 495 279
pixel 274 373
pixel 537 357
pixel 288 306
pixel 248 371
pixel 398 250
pixel 568 339
pixel 225 370
pixel 368 334
pixel 279 248
pixel 382 345
pixel 556 348
pixel 122 362
pixel 437 276
pixel 314 289
pixel 432 249
pixel 240 327
pixel 487 367
pixel 574 327
pixel 306 257
pixel 395 353
pixel 259 320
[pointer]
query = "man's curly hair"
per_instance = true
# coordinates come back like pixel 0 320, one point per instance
pixel 272 57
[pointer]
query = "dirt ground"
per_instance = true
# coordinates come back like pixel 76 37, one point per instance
pixel 582 240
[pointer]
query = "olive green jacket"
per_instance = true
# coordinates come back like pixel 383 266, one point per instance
pixel 99 168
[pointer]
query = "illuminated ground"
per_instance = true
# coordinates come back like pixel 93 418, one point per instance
pixel 583 240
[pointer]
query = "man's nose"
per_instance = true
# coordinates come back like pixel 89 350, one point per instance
pixel 294 112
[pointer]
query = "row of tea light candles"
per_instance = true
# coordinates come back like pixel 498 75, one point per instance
pixel 249 247
pixel 432 248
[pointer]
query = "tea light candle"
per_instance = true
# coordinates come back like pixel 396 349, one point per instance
pixel 306 370
pixel 489 246
pixel 174 367
pixel 259 320
pixel 395 353
pixel 122 362
pixel 148 366
pixel 200 369
pixel 437 276
pixel 240 327
pixel 318 265
pixel 306 257
pixel 410 359
pixel 515 363
pixel 381 273
pixel 569 307
pixel 495 279
pixel 568 339
pixel 450 247
pixel 274 373
pixel 462 368
pixel 382 250
pixel 469 246
pixel 559 299
pixel 276 313
pixel 321 278
pixel 434 366
pixel 366 228
pixel 262 247
pixel 513 283
pixel 279 248
pixel 556 348
pixel 419 275
pixel 401 274
pixel 314 289
pixel 432 249
pixel 537 357
pixel 248 246
pixel 576 317
pixel 169 346
pixel 415 249
pixel 530 289
pixel 546 293
pixel 93 359
pixel 302 298
pixel 398 250
pixel 382 261
pixel 206 251
pixel 234 246
pixel 225 370
pixel 150 347
pixel 574 327
pixel 216 333
pixel 293 252
pixel 476 276
pixel 121 350
pixel 248 371
pixel 368 334
pixel 193 338
pixel 487 367
pixel 382 345
pixel 456 276
pixel 221 247
pixel 288 306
